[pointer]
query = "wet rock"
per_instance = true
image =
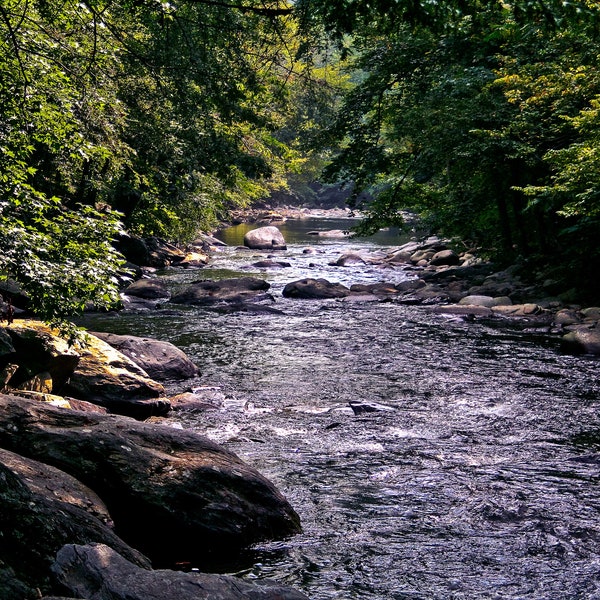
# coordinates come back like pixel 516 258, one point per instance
pixel 582 341
pixel 148 289
pixel 315 289
pixel 377 289
pixel 265 238
pixel 160 360
pixel 359 408
pixel 224 290
pixel 35 523
pixel 202 398
pixel 97 572
pixel 271 264
pixel 348 259
pixel 173 494
pixel 107 377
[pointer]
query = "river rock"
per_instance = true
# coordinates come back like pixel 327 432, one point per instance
pixel 315 289
pixel 398 257
pixel 567 316
pixel 107 377
pixel 518 310
pixel 582 340
pixel 35 523
pixel 96 572
pixel 477 300
pixel 208 292
pixel 377 289
pixel 193 260
pixel 160 360
pixel 271 264
pixel 48 481
pixel 265 238
pixel 202 398
pixel 148 289
pixel 37 350
pixel 464 310
pixel 445 257
pixel 349 258
pixel 173 494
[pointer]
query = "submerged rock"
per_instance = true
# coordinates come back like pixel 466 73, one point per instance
pixel 97 572
pixel 173 494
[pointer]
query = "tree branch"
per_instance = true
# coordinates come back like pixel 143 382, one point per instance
pixel 263 11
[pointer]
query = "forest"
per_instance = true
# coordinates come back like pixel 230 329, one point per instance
pixel 158 118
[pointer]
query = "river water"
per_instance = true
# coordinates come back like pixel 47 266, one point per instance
pixel 476 478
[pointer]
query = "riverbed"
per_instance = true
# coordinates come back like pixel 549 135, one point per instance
pixel 428 457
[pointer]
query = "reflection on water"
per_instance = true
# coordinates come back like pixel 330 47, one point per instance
pixel 299 231
pixel 479 481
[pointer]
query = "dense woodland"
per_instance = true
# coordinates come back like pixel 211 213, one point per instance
pixel 160 117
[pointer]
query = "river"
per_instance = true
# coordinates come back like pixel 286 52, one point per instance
pixel 476 477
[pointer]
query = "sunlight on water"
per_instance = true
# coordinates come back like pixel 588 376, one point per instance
pixel 475 477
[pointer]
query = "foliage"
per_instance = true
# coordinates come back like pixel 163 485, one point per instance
pixel 149 115
pixel 480 115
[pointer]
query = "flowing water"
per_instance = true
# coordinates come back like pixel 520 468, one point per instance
pixel 476 477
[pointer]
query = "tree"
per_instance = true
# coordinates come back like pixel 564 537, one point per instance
pixel 465 111
pixel 117 112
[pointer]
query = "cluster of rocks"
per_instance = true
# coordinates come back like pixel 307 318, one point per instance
pixel 449 282
pixel 91 501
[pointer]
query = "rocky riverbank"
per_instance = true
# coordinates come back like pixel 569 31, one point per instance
pixel 92 501
pixel 83 483
pixel 439 279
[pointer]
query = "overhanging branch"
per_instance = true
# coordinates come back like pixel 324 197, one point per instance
pixel 263 10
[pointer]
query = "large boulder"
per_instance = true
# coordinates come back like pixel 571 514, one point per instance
pixel 97 572
pixel 49 481
pixel 265 238
pixel 315 289
pixel 36 349
pixel 148 289
pixel 36 522
pixel 173 494
pixel 108 378
pixel 445 257
pixel 160 360
pixel 233 290
pixel 582 340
